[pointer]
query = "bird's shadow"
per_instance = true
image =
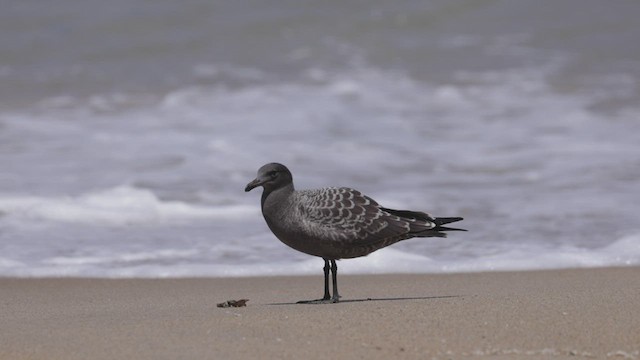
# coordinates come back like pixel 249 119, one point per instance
pixel 374 299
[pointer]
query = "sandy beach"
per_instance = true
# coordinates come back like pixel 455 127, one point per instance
pixel 588 313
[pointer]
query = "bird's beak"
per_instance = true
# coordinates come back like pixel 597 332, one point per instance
pixel 254 183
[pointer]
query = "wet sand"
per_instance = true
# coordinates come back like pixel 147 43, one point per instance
pixel 572 314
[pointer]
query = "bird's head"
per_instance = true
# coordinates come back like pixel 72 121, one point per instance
pixel 271 177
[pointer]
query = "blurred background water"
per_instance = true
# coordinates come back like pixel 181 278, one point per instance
pixel 128 130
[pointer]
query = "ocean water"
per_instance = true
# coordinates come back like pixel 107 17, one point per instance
pixel 128 130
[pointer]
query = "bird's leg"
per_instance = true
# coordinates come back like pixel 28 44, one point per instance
pixel 326 268
pixel 327 297
pixel 334 273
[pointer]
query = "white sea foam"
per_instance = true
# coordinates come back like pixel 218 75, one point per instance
pixel 116 206
pixel 182 263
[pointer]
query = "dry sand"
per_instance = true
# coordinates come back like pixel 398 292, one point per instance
pixel 563 314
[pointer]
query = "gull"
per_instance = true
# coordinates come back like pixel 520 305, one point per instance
pixel 336 222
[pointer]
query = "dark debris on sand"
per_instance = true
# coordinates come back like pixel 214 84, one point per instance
pixel 233 303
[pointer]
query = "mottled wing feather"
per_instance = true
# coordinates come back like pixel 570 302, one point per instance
pixel 353 219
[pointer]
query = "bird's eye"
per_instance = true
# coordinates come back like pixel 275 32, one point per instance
pixel 272 174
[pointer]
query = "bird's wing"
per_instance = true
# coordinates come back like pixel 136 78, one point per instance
pixel 354 219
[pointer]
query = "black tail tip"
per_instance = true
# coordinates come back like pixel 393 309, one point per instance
pixel 446 220
pixel 443 228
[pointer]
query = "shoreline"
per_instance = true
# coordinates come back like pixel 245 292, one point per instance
pixel 572 313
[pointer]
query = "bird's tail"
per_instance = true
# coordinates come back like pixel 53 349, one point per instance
pixel 446 220
pixel 437 231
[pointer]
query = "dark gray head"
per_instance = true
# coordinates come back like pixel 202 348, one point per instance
pixel 271 177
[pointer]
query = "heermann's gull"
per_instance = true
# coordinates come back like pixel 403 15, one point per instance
pixel 336 223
